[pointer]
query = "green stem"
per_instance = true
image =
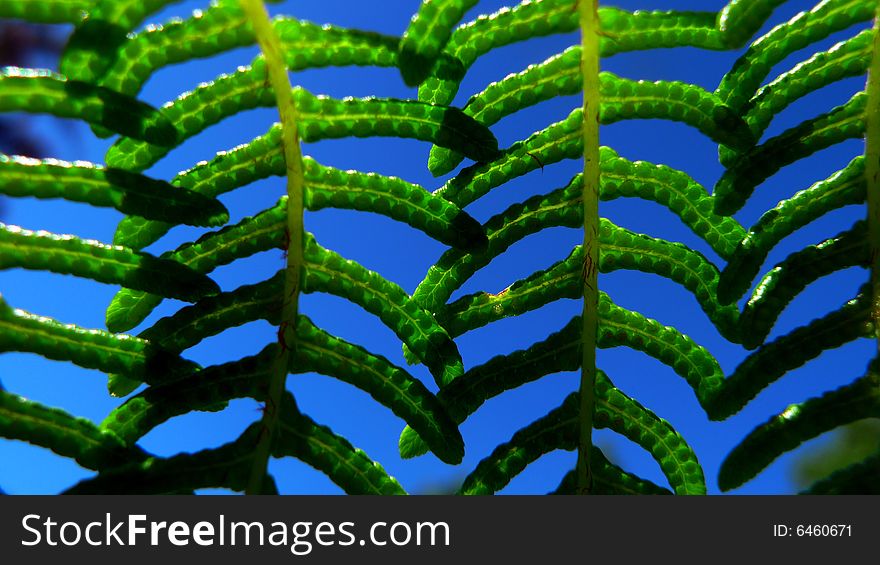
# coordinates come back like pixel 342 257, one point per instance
pixel 589 23
pixel 280 81
pixel 872 173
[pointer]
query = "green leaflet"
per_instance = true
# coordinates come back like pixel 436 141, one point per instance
pixel 252 235
pixel 473 39
pixel 92 349
pixel 316 351
pixel 226 466
pixel 320 117
pixel 327 271
pixel 773 360
pixel 427 35
pixel 843 188
pixel 211 316
pixel 318 446
pixel 46 11
pixel 799 423
pixel 221 28
pixel 561 280
pixel 557 430
pixel 90 259
pixel 620 178
pixel 112 188
pixel 204 390
pixel 561 352
pixel 389 385
pixel 860 478
pixel 95 43
pixel 619 249
pixel 753 167
pixel 674 189
pixel 455 266
pixel 846 59
pixel 739 20
pixel 622 99
pixel 829 16
pixel 609 479
pixel 325 187
pixel 39 91
pixel 787 279
pixel 623 31
pixel 55 429
pixel 562 140
pixel 622 249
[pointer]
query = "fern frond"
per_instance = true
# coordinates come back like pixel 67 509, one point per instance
pixel 608 478
pixel 226 466
pixel 845 187
pixel 318 446
pixel 320 117
pixel 46 11
pixel 110 188
pixel 799 423
pixel 252 235
pixel 76 438
pixel 70 255
pixel 738 182
pixel 40 91
pixel 739 85
pixel 427 35
pixel 621 99
pixel 93 349
pixel 786 353
pixel 787 279
pixel 741 19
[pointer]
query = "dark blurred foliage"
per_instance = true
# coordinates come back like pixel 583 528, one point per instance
pixel 847 446
pixel 23 45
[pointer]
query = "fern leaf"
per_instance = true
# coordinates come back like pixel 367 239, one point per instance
pixel 558 429
pixel 318 446
pixel 92 349
pixel 320 118
pixel 608 478
pixel 787 279
pixel 39 91
pixel 205 390
pixel 389 385
pixel 741 19
pixel 55 429
pixel 226 466
pixel 799 423
pixel 46 11
pixel 786 353
pixel 846 59
pixel 95 43
pixel 427 35
pixel 829 16
pixel 111 188
pixel 327 271
pixel 738 182
pixel 90 259
pixel 621 99
pixel 845 187
pixel 252 235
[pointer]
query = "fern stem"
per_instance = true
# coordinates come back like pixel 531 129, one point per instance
pixel 280 81
pixel 589 23
pixel 872 173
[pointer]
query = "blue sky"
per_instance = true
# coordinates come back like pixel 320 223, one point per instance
pixel 403 255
